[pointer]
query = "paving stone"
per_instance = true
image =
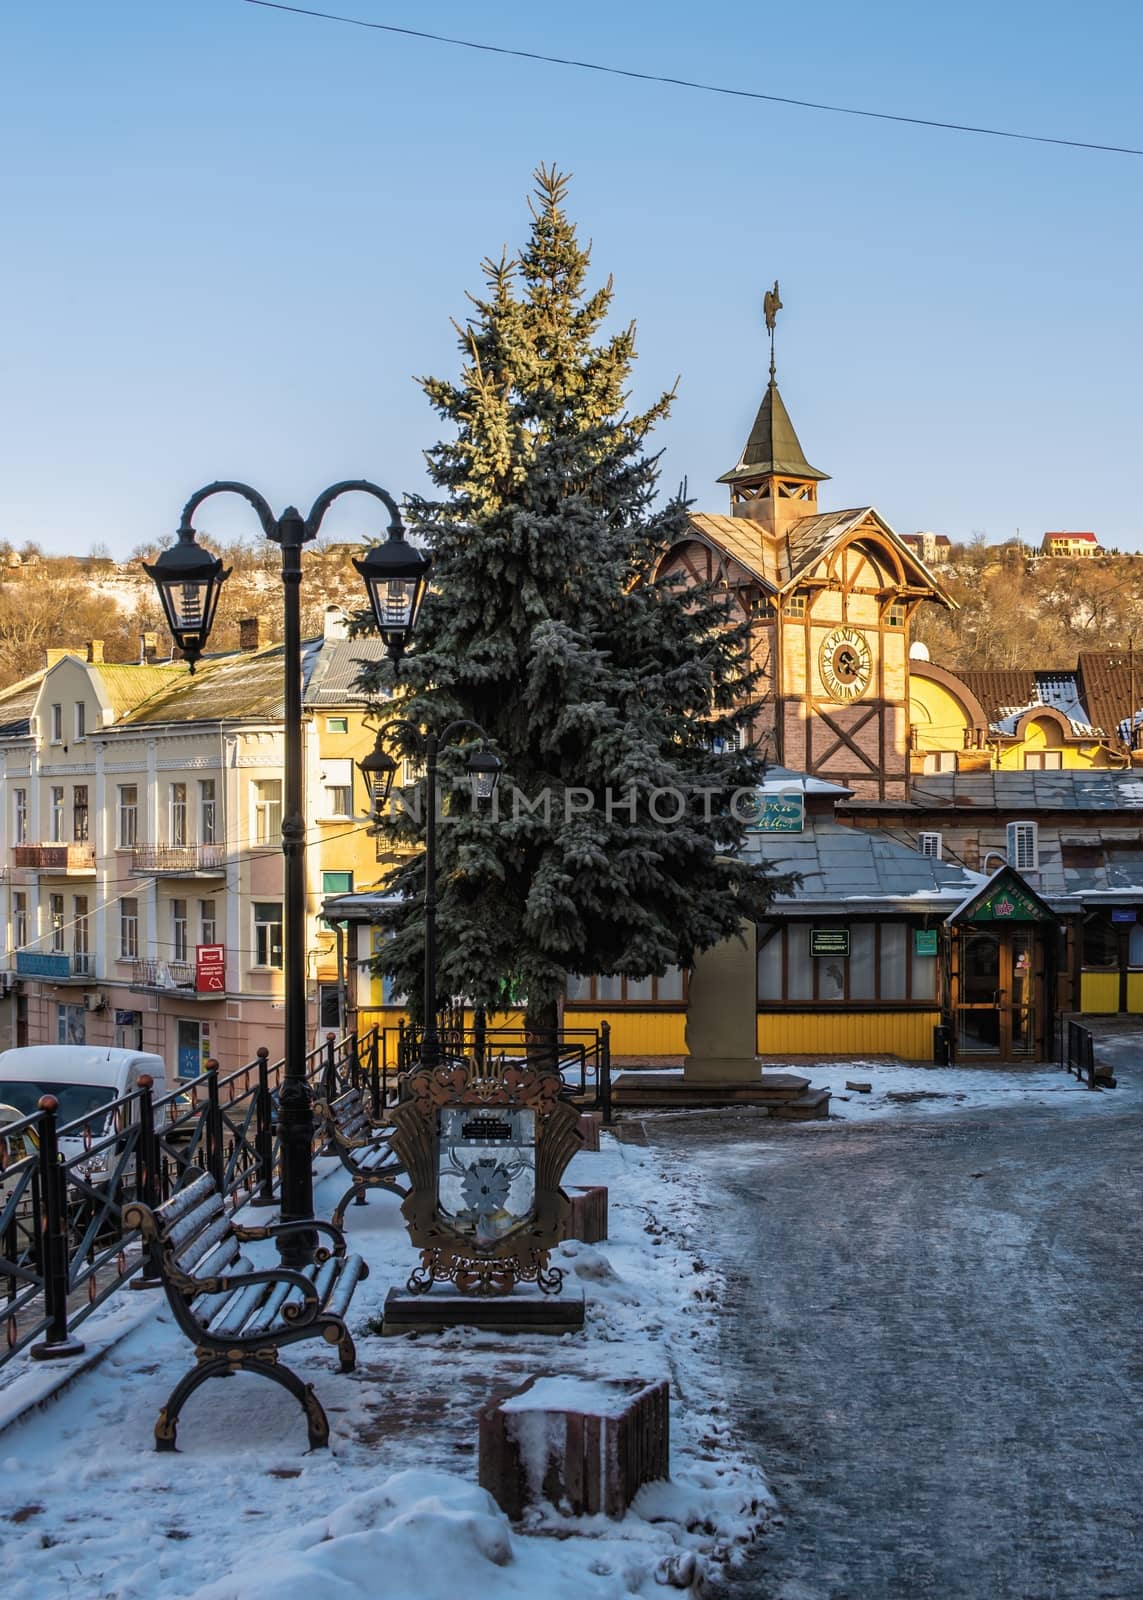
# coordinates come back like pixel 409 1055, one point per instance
pixel 932 1342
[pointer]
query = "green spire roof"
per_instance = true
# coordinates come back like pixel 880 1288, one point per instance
pixel 773 445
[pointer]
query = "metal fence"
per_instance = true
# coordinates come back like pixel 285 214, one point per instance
pixel 63 1246
pixel 583 1055
pixel 1077 1051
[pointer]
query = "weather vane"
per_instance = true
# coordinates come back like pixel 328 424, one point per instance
pixel 771 305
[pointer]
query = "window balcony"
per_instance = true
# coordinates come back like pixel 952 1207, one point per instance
pixel 55 966
pixel 178 861
pixel 168 977
pixel 71 860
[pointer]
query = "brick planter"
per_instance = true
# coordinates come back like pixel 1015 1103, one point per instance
pixel 587 1220
pixel 582 1444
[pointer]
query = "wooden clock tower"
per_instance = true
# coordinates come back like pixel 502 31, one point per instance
pixel 830 596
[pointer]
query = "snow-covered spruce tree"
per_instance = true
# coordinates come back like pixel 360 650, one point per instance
pixel 606 692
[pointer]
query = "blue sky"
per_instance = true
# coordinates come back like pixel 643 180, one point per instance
pixel 232 236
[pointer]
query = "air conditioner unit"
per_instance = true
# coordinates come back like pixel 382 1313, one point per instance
pixel 94 1000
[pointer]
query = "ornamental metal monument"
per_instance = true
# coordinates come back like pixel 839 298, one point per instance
pixel 485 1149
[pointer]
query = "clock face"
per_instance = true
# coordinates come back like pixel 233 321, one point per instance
pixel 846 664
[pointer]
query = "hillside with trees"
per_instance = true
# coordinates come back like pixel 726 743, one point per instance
pixel 1020 611
pixel 51 602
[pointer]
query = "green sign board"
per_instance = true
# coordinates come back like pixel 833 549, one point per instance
pixel 1007 903
pixel 924 941
pixel 780 813
pixel 829 941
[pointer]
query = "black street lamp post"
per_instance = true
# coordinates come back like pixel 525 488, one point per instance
pixel 189 581
pixel 378 770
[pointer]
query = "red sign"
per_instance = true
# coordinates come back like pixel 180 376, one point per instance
pixel 210 968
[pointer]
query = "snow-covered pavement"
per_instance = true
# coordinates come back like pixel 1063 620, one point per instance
pixel 88 1510
pixel 911 1091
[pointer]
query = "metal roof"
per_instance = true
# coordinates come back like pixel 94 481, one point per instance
pixel 860 868
pixel 16 705
pixel 1093 789
pixel 336 669
pixel 773 445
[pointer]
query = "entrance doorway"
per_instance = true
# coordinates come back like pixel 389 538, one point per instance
pixel 999 1000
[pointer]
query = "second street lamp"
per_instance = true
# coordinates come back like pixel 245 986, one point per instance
pixel 189 580
pixel 378 769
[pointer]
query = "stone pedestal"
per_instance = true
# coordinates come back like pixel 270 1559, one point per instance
pixel 722 1021
pixel 525 1310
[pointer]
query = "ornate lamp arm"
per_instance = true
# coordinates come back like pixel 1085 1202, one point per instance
pixel 353 486
pixel 265 516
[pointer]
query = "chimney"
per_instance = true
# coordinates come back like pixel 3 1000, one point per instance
pixel 250 633
pixel 95 651
pixel 148 648
pixel 336 624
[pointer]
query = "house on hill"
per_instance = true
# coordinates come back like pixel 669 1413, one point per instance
pixel 1070 545
pixel 933 548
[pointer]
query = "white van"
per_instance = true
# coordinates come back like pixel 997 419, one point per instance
pixel 84 1078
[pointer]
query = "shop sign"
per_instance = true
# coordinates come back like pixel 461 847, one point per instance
pixel 210 968
pixel 1123 916
pixel 1007 903
pixel 924 941
pixel 780 813
pixel 829 941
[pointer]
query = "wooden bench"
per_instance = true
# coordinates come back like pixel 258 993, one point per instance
pixel 238 1316
pixel 362 1144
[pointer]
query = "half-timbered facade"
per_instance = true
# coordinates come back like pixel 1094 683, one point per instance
pixel 830 596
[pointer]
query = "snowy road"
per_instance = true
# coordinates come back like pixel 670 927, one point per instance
pixel 934 1339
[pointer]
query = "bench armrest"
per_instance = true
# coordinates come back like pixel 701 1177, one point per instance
pixel 274 1230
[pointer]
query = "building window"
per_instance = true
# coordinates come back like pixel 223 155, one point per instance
pixel 178 814
pixel 1100 943
pixel 207 923
pixel 19 816
pixel 81 960
pixel 895 615
pixel 71 1025
pixel 207 812
pixel 19 919
pixel 337 787
pixel 80 822
pixel 940 761
pixel 882 966
pixel 129 930
pixel 128 816
pixel 56 918
pixel 268 811
pixel 337 883
pixel 267 933
pixel 617 990
pixel 57 814
pixel 179 929
pixel 80 721
pixel 1043 761
pixel 794 605
pixel 337 724
pixel 57 724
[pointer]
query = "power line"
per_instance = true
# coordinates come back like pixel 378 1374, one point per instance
pixel 691 83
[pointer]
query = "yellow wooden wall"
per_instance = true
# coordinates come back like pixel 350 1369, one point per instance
pixel 1099 991
pixel 633 1033
pixel 908 1034
pixel 636 1033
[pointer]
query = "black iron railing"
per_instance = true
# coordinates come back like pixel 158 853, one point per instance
pixel 63 1244
pixel 583 1055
